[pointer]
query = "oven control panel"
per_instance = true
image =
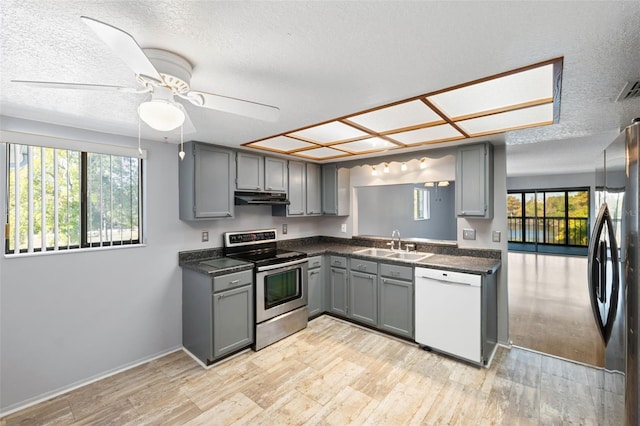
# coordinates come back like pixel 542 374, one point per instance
pixel 249 237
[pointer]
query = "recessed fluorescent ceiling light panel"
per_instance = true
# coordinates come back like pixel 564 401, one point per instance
pixel 517 99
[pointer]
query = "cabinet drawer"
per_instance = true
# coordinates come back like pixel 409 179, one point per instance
pixel 315 262
pixel 395 271
pixel 237 279
pixel 339 261
pixel 364 266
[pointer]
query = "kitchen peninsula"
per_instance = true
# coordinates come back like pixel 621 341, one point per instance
pixel 353 279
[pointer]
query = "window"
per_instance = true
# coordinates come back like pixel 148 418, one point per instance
pixel 552 217
pixel 420 204
pixel 60 199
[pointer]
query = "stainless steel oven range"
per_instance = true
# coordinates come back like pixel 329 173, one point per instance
pixel 280 283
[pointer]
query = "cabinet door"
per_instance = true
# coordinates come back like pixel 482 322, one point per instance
pixel 329 189
pixel 314 189
pixel 474 183
pixel 233 321
pixel 315 287
pixel 297 188
pixel 338 291
pixel 249 172
pixel 275 174
pixel 396 306
pixel 363 298
pixel 213 195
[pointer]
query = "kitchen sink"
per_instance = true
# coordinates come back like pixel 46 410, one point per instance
pixel 375 252
pixel 390 254
pixel 408 255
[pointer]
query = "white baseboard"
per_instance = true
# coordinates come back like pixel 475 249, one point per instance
pixel 73 386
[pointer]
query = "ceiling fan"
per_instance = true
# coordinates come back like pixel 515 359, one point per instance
pixel 164 75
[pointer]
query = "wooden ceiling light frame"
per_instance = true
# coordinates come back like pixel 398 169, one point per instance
pixel 455 122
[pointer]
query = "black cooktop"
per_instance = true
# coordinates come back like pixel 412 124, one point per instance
pixel 258 247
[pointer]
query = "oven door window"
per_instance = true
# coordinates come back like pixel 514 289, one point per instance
pixel 281 287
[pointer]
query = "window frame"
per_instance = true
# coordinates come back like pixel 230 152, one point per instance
pixel 82 148
pixel 542 216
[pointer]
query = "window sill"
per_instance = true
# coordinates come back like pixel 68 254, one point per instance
pixel 77 250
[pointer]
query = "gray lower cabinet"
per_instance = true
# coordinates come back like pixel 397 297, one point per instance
pixel 315 288
pixel 363 291
pixel 396 300
pixel 205 189
pixel 217 313
pixel 363 297
pixel 338 286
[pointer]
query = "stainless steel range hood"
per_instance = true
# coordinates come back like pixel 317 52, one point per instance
pixel 261 198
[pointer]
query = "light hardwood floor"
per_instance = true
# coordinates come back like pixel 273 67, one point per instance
pixel 336 373
pixel 549 308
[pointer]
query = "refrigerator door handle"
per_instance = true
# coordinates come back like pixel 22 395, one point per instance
pixel 602 264
pixel 599 254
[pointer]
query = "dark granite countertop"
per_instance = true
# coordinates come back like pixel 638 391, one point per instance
pixel 212 262
pixel 445 257
pixel 449 262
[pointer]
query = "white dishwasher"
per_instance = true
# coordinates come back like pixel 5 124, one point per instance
pixel 448 312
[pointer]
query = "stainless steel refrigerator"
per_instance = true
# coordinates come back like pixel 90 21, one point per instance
pixel 614 276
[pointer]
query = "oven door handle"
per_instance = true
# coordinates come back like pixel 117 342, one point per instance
pixel 282 265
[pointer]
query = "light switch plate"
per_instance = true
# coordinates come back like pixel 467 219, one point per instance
pixel 468 234
pixel 343 227
pixel 205 236
pixel 496 236
pixel 284 228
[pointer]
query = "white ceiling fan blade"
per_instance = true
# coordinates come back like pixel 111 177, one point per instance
pixel 125 46
pixel 188 127
pixel 233 105
pixel 80 86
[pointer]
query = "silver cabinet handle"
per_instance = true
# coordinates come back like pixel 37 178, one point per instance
pixel 313 272
pixel 234 282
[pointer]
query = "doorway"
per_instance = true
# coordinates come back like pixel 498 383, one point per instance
pixel 549 307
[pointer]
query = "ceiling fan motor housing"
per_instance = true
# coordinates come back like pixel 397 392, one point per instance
pixel 174 69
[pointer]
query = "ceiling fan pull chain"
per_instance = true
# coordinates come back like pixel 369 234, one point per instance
pixel 139 149
pixel 181 153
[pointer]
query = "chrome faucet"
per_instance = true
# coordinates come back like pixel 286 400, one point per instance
pixel 394 234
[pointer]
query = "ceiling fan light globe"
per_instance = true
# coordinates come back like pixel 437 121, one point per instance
pixel 161 115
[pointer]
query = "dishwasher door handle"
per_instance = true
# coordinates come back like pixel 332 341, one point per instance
pixel 447 282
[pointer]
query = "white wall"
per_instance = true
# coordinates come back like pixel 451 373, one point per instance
pixel 70 317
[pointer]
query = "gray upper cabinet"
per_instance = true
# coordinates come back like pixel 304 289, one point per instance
pixel 258 173
pixel 474 181
pixel 205 176
pixel 335 190
pixel 304 191
pixel 249 172
pixel 314 189
pixel 297 189
pixel 275 174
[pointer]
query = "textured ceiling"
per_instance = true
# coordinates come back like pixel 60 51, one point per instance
pixel 320 60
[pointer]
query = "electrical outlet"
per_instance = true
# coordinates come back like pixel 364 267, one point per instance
pixel 205 236
pixel 468 234
pixel 496 236
pixel 284 228
pixel 343 227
